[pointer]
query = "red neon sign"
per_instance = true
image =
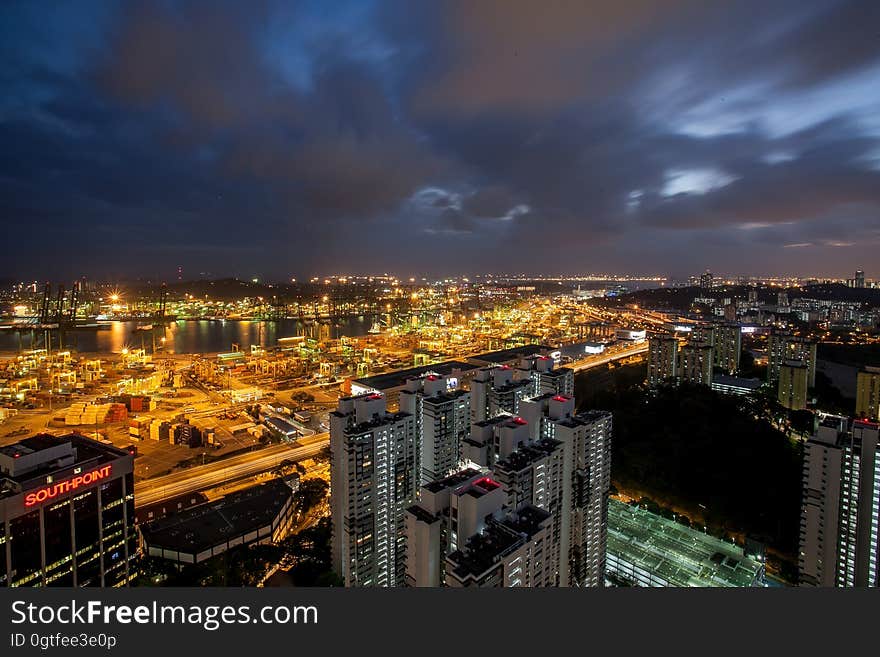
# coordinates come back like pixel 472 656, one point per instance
pixel 54 490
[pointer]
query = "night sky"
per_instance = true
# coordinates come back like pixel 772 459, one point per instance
pixel 280 139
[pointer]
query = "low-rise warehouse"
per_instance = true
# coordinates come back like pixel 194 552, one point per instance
pixel 260 514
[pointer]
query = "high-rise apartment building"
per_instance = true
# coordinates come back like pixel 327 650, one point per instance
pixel 494 439
pixel 549 460
pixel 442 421
pixel 511 552
pixel 546 376
pixel 662 359
pixel 840 517
pixel 859 551
pixel 727 346
pixel 66 513
pixel 695 363
pixel 783 347
pixel 449 511
pixel 726 341
pixel 868 393
pixel 792 385
pixel 495 390
pixel 589 436
pixel 374 470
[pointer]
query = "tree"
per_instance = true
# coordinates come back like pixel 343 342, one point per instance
pixel 803 422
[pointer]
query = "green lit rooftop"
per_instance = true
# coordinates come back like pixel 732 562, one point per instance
pixel 649 550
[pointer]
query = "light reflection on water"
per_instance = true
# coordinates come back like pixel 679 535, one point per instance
pixel 189 337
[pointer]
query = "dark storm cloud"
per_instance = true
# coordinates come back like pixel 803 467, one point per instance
pixel 384 135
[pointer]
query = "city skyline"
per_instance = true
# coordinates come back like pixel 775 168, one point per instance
pixel 281 139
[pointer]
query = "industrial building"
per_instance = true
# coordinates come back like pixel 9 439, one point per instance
pixel 260 514
pixel 645 549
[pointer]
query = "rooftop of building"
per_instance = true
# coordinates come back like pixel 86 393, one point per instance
pixel 482 551
pixel 439 398
pixel 509 355
pixel 378 421
pixel 492 421
pixel 398 378
pixel 281 425
pixel 481 487
pixel 557 372
pixel 679 555
pixel 513 385
pixel 584 417
pixel 525 455
pixel 422 514
pixel 87 453
pixel 736 381
pixel 528 520
pixel 452 480
pixel 210 524
pixel 500 537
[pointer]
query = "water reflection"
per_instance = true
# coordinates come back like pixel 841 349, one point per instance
pixel 200 336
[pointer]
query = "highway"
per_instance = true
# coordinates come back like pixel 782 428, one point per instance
pixel 602 359
pixel 202 477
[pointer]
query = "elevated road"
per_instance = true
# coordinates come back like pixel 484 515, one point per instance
pixel 151 491
pixel 605 358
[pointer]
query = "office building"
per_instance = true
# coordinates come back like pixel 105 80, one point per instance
pixel 662 359
pixel 66 513
pixel 374 470
pixel 442 421
pixel 792 385
pixel 840 518
pixel 868 393
pixel 783 347
pixel 695 363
